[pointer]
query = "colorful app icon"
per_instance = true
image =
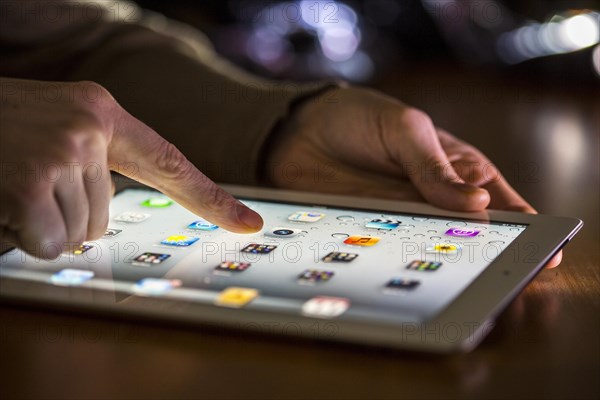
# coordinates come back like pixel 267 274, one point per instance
pixel 82 249
pixel 226 267
pixel 306 216
pixel 462 232
pixel 282 233
pixel 111 233
pixel 313 276
pixel 202 225
pixel 387 224
pixel 335 256
pixel 157 202
pixel 256 248
pixel 418 265
pixel 325 307
pixel 179 241
pixel 132 217
pixel 71 277
pixel 442 248
pixel 148 259
pixel 366 241
pixel 155 286
pixel 236 297
pixel 400 285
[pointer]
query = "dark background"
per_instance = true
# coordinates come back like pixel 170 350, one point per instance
pixel 397 35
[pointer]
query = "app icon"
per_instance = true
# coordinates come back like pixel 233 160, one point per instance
pixel 236 297
pixel 131 216
pixel 71 277
pixel 442 248
pixel 462 232
pixel 378 223
pixel 202 225
pixel 179 241
pixel 339 257
pixel 147 259
pixel 400 285
pixel 110 233
pixel 418 265
pixel 306 216
pixel 157 202
pixel 259 248
pixel 312 276
pixel 325 307
pixel 82 249
pixel 155 286
pixel 231 266
pixel 367 241
pixel 282 232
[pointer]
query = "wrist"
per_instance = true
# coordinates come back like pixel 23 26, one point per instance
pixel 302 111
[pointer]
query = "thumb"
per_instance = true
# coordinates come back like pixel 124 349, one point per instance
pixel 426 164
pixel 161 165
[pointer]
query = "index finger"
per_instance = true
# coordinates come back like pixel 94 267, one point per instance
pixel 162 166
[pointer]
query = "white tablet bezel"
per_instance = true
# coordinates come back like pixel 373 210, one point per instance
pixel 460 326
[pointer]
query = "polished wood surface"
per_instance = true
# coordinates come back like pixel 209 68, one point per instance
pixel 545 345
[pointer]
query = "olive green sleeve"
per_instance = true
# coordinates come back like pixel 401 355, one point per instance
pixel 164 73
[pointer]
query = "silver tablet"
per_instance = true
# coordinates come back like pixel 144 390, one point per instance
pixel 385 273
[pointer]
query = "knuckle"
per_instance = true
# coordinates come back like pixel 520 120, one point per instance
pixel 413 117
pixel 172 163
pixel 433 162
pixel 93 95
pixel 217 200
pixel 82 132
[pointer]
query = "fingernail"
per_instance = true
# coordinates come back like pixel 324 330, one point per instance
pixel 248 217
pixel 476 198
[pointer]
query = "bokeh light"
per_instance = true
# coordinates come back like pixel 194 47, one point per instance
pixel 558 36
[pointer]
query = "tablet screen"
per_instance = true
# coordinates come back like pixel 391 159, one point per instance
pixel 311 260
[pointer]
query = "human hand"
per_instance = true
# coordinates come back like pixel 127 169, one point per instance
pixel 59 141
pixel 365 143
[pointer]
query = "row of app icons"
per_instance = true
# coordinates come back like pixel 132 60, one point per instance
pixel 313 276
pixel 353 240
pixel 256 248
pixel 151 258
pixel 237 297
pixel 228 268
pixel 298 216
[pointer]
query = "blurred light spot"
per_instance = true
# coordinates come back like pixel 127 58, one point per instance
pixel 359 67
pixel 567 141
pixel 268 48
pixel 596 59
pixel 339 43
pixel 321 14
pixel 565 138
pixel 557 36
pixel 581 30
pixel 335 25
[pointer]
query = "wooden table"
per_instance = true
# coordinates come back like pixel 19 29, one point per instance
pixel 546 345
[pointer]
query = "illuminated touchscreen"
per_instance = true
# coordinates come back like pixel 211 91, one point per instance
pixel 311 260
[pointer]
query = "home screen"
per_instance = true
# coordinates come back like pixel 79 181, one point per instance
pixel 320 262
